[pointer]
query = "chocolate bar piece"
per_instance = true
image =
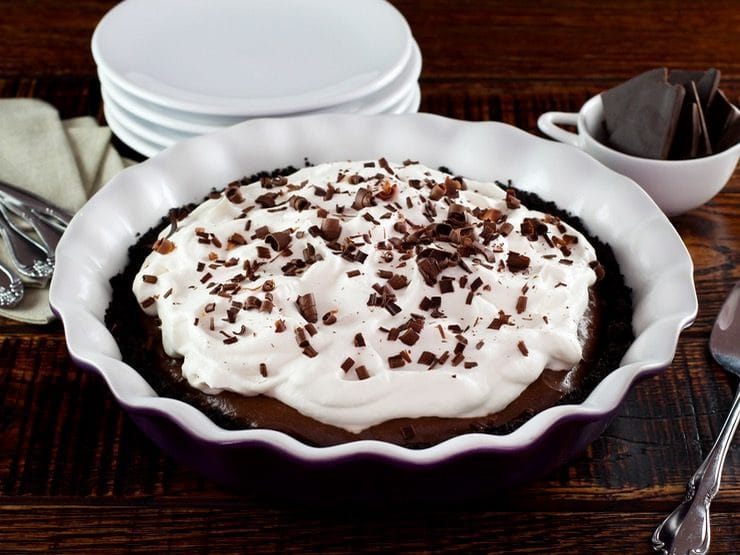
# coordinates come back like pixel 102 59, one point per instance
pixel 707 83
pixel 723 123
pixel 686 140
pixel 678 115
pixel 642 114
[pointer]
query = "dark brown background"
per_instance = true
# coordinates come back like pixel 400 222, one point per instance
pixel 76 475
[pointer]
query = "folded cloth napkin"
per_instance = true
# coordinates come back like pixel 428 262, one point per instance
pixel 65 162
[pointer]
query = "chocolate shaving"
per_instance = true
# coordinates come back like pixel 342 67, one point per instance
pixel 310 352
pixel 398 281
pixel 347 364
pixel 409 337
pixel 362 373
pixel 426 358
pixel 363 199
pixel 307 307
pixel 266 200
pixel 236 239
pixel 517 262
pixel 387 191
pixel 446 285
pixel 512 202
pixel 396 361
pixel 383 163
pixel 233 193
pixel 501 320
pixel 163 246
pixel 263 252
pixel 331 229
pixel 522 348
pixel 299 203
pixel 456 215
pixel 278 240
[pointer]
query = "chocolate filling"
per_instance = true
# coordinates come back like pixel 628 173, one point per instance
pixel 610 315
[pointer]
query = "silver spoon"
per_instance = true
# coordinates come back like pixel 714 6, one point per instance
pixel 11 288
pixel 29 257
pixel 686 530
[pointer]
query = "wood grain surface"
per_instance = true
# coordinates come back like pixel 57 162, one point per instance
pixel 76 475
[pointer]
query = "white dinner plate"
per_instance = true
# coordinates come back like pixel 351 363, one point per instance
pixel 232 57
pixel 388 99
pixel 148 139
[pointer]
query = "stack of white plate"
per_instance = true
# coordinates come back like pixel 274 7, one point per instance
pixel 172 69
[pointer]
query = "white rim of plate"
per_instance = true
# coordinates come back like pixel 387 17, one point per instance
pixel 116 30
pixel 131 139
pixel 148 142
pixel 146 130
pixel 169 120
pixel 410 104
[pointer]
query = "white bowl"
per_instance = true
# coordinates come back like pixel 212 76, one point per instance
pixel 677 186
pixel 651 255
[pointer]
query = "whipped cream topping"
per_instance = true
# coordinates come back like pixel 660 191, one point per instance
pixel 359 292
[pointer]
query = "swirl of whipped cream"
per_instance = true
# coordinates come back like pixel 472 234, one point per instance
pixel 359 292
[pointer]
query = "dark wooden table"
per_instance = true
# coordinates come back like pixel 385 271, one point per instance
pixel 77 476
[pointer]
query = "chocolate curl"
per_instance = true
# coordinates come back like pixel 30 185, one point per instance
pixel 299 203
pixel 452 186
pixel 442 231
pixel 387 191
pixel 458 236
pixel 363 199
pixel 331 228
pixel 456 215
pixel 278 240
pixel 233 193
pixel 437 192
pixel 489 215
pixel 307 307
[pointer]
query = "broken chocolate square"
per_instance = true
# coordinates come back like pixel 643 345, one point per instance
pixel 641 114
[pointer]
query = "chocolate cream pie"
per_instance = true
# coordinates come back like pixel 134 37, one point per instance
pixel 371 300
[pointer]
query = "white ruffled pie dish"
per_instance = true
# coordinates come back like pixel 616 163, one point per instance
pixel 652 257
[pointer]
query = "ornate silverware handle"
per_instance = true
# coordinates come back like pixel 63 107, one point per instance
pixel 686 530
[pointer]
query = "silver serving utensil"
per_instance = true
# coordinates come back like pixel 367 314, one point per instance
pixel 49 230
pixel 11 288
pixel 29 257
pixel 686 529
pixel 43 208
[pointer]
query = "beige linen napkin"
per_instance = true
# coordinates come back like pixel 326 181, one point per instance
pixel 63 161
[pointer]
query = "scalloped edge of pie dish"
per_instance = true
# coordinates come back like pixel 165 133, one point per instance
pixel 652 257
